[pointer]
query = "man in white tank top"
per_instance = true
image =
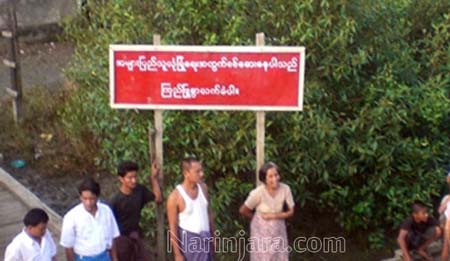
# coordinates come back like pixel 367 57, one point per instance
pixel 190 217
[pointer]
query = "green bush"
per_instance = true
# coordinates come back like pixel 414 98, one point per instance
pixel 374 133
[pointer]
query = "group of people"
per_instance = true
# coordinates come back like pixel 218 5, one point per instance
pixel 95 231
pixel 420 229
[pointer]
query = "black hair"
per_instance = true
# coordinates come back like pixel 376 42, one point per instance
pixel 89 184
pixel 186 163
pixel 263 170
pixel 35 217
pixel 418 206
pixel 126 166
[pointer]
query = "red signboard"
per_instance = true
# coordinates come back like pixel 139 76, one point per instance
pixel 207 77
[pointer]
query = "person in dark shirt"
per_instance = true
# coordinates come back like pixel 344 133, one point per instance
pixel 418 231
pixel 127 204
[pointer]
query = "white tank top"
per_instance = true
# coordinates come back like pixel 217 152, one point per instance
pixel 194 217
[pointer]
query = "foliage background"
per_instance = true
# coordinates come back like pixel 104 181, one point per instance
pixel 374 133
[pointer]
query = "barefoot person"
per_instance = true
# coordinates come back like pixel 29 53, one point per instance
pixel 417 232
pixel 190 216
pixel 89 228
pixel 35 241
pixel 127 205
pixel 268 236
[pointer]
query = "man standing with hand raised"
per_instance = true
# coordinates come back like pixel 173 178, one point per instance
pixel 127 205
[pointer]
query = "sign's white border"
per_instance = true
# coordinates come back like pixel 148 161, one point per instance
pixel 219 49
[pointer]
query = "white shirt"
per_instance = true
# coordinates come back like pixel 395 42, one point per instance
pixel 194 217
pixel 25 248
pixel 86 234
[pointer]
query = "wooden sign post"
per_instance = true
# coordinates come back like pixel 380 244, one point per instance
pixel 260 126
pixel 156 156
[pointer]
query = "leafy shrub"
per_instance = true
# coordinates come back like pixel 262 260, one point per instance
pixel 374 133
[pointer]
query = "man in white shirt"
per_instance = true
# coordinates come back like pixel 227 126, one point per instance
pixel 89 228
pixel 34 242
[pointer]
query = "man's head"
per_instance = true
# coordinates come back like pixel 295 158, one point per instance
pixel 89 191
pixel 35 222
pixel 269 174
pixel 419 211
pixel 127 171
pixel 192 169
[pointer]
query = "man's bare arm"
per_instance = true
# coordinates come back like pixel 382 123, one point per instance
pixel 212 225
pixel 401 240
pixel 113 250
pixel 172 218
pixel 154 180
pixel 70 255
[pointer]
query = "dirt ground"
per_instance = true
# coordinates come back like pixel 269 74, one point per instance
pixel 42 66
pixel 59 192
